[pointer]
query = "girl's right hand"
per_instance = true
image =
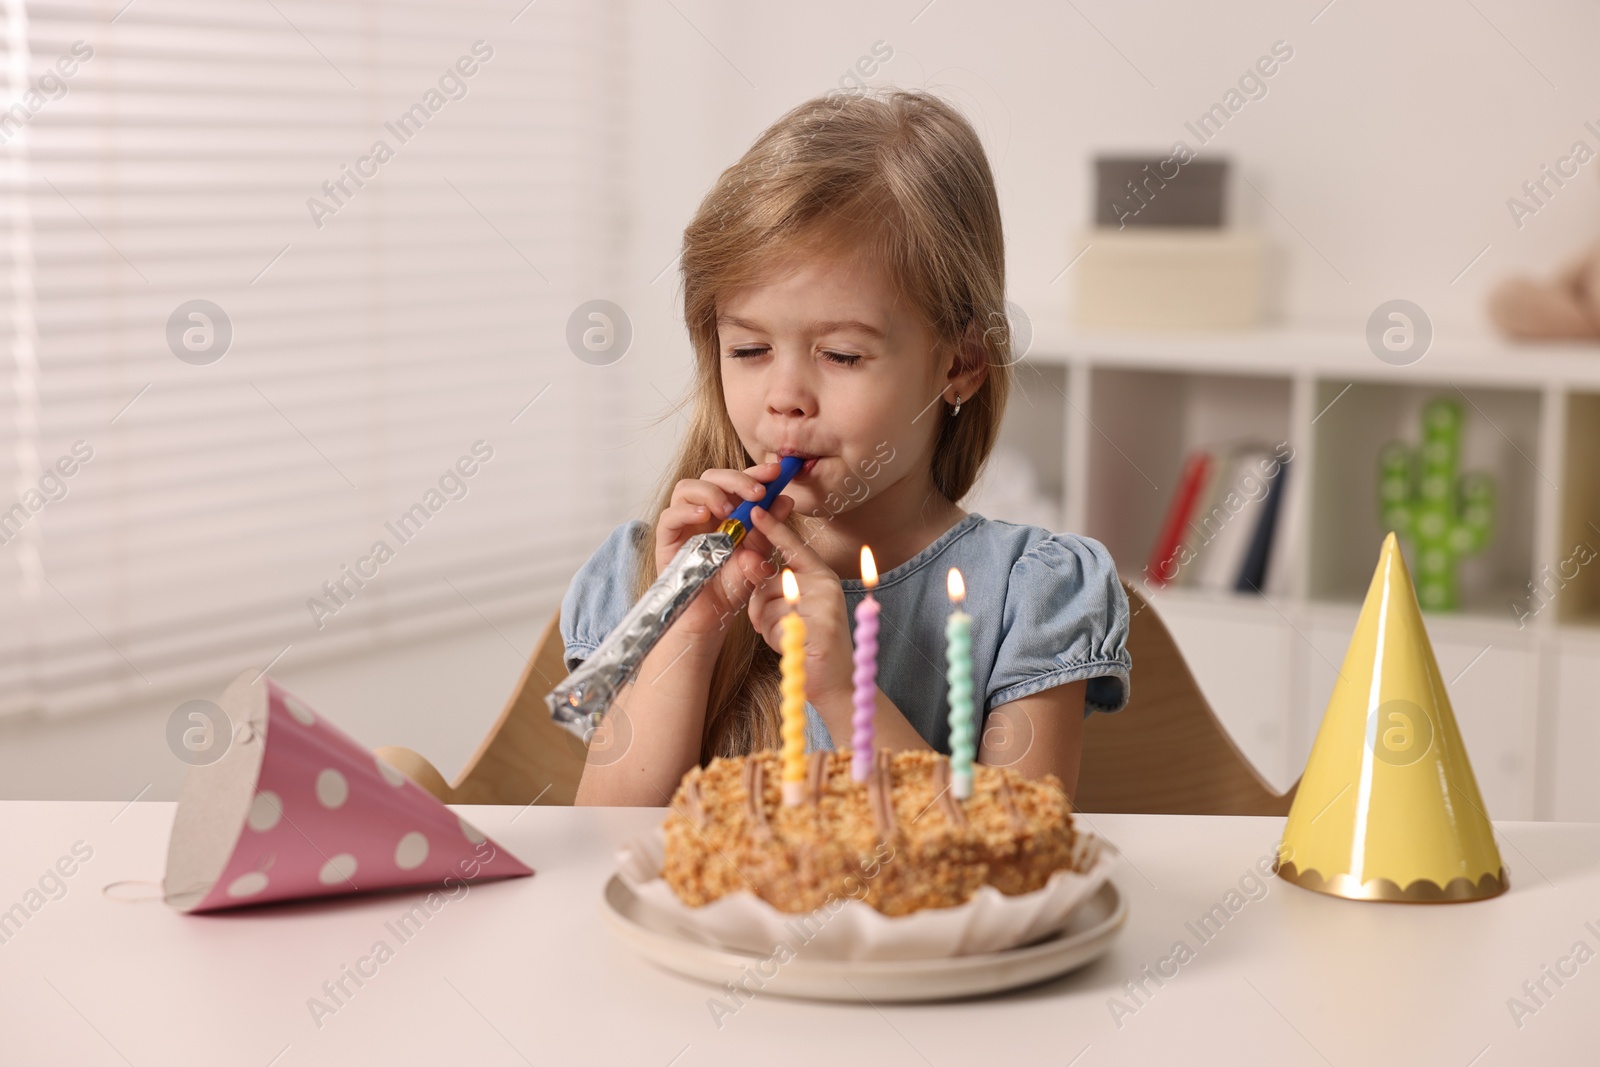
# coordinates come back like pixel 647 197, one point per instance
pixel 698 506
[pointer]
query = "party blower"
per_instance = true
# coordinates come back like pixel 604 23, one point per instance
pixel 580 701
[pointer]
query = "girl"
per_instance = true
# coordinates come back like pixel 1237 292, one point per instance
pixel 844 287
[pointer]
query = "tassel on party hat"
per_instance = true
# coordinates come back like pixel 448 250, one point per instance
pixel 1388 808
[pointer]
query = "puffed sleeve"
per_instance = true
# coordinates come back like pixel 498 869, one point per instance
pixel 1065 618
pixel 602 591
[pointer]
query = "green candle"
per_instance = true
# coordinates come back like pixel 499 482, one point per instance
pixel 958 655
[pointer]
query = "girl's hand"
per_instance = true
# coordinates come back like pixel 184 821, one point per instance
pixel 698 506
pixel 828 653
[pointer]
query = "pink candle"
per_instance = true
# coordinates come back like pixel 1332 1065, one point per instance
pixel 865 677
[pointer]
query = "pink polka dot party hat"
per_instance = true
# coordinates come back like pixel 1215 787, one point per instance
pixel 295 808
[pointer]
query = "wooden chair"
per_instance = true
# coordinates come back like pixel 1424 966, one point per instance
pixel 1165 752
pixel 525 758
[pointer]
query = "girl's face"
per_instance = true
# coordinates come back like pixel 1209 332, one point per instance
pixel 826 361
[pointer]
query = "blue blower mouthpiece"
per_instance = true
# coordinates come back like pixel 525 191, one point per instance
pixel 789 467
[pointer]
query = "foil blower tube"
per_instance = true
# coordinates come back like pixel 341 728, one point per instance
pixel 580 701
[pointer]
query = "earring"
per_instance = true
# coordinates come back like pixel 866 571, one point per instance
pixel 957 409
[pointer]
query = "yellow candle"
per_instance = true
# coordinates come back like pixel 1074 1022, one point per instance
pixel 792 641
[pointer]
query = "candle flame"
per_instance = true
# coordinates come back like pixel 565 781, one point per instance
pixel 957 587
pixel 791 588
pixel 869 568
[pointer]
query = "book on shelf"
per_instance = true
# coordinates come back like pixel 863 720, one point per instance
pixel 1219 536
pixel 1288 536
pixel 1163 565
pixel 1222 522
pixel 1253 574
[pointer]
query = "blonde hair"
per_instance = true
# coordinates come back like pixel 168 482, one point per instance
pixel 900 177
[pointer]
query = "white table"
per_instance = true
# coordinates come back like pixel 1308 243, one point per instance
pixel 524 971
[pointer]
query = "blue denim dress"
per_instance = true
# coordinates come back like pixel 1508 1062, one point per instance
pixel 1047 609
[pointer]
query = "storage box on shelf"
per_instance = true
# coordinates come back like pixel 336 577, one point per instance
pixel 1522 663
pixel 1173 277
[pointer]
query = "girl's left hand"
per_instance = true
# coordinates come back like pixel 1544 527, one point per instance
pixel 828 653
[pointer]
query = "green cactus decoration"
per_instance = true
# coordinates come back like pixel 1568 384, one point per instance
pixel 1443 514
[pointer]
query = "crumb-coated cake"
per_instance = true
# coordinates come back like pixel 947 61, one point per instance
pixel 899 841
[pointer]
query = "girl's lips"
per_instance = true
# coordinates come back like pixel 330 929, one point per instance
pixel 810 461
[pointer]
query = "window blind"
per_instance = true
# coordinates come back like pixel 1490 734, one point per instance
pixel 388 212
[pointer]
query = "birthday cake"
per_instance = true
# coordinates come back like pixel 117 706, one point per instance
pixel 900 841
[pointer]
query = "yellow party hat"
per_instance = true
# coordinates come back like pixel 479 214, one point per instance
pixel 1388 808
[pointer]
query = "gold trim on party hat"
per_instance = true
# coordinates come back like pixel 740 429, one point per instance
pixel 1388 808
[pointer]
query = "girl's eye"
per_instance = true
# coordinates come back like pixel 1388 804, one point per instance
pixel 844 359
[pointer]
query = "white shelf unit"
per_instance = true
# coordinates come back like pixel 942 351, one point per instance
pixel 1107 420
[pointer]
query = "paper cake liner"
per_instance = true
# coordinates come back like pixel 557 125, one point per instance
pixel 848 929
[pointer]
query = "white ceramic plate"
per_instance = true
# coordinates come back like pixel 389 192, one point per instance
pixel 1087 936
